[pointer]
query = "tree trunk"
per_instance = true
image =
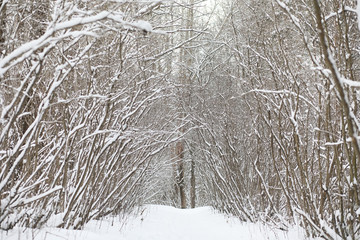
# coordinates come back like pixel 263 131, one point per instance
pixel 2 27
pixel 192 184
pixel 179 150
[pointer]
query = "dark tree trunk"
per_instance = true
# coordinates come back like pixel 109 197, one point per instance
pixel 2 27
pixel 192 185
pixel 179 150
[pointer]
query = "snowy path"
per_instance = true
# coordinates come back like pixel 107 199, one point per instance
pixel 163 223
pixel 168 223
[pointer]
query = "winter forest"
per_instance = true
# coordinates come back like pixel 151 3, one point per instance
pixel 251 107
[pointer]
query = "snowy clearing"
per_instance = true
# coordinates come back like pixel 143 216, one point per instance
pixel 162 223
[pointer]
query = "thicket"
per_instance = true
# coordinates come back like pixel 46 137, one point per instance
pixel 249 106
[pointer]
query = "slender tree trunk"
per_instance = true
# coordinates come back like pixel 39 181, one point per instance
pixel 179 149
pixel 2 27
pixel 192 184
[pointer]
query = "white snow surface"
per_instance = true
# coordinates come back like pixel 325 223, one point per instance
pixel 163 223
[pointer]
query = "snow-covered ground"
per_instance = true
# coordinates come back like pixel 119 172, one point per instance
pixel 162 223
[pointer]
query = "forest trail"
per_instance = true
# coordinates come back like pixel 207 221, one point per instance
pixel 156 222
pixel 168 223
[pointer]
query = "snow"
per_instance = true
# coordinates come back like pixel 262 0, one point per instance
pixel 29 200
pixel 163 223
pixel 358 212
pixel 143 25
pixel 351 83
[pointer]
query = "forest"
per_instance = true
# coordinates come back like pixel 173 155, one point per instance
pixel 251 107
